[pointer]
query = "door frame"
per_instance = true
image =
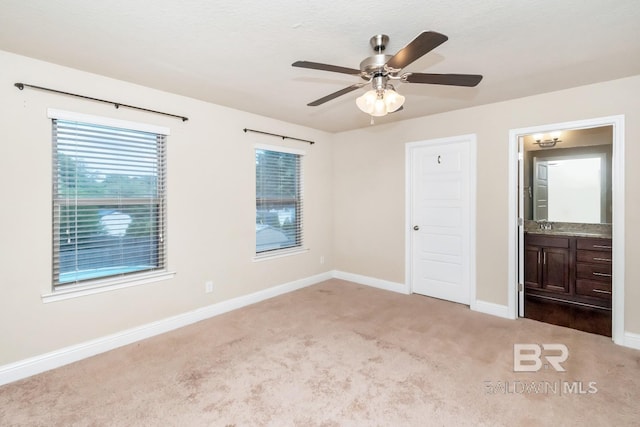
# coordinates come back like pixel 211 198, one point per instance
pixel 516 225
pixel 471 141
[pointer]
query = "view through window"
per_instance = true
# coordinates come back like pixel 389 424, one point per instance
pixel 108 202
pixel 278 200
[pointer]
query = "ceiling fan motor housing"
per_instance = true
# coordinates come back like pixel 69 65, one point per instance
pixel 379 42
pixel 374 64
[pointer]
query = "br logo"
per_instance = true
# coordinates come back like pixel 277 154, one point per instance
pixel 528 357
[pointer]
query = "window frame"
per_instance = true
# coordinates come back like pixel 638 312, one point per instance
pixel 299 206
pixel 60 291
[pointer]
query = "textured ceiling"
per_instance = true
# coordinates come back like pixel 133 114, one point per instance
pixel 239 53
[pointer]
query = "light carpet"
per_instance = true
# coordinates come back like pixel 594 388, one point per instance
pixel 336 354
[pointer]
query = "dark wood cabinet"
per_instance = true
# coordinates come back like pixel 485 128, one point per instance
pixel 568 281
pixel 594 270
pixel 548 263
pixel 555 270
pixel 532 270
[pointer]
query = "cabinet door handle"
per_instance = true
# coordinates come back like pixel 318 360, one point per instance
pixel 544 258
pixel 602 247
pixel 601 291
pixel 538 257
pixel 601 259
pixel 601 274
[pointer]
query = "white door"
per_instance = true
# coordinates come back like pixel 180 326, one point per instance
pixel 441 220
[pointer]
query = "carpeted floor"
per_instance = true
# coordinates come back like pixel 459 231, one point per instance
pixel 338 354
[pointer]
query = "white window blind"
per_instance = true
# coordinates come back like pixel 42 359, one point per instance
pixel 278 200
pixel 108 202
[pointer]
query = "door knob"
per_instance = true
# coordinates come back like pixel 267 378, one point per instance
pixel 415 227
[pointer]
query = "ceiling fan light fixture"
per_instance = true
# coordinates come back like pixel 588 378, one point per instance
pixel 366 102
pixel 379 108
pixel 380 103
pixel 393 100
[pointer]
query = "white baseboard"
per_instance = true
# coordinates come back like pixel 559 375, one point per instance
pixel 492 308
pixel 372 281
pixel 35 365
pixel 631 340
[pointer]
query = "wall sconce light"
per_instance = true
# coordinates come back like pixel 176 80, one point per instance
pixel 547 143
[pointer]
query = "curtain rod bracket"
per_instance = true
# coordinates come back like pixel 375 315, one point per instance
pixel 278 135
pixel 21 86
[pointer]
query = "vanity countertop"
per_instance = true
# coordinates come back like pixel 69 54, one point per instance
pixel 569 229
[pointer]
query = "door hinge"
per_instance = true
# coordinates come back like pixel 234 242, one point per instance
pixel 520 222
pixel 520 287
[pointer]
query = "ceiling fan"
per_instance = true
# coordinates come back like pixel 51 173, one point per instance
pixel 380 70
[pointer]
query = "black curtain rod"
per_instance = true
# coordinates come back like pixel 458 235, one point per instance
pixel 115 104
pixel 279 136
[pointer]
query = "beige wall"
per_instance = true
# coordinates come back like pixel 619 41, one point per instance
pixel 354 186
pixel 369 171
pixel 211 202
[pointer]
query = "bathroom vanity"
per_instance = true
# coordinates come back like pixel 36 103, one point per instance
pixel 568 279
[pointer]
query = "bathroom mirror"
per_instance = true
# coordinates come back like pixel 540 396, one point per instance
pixel 570 189
pixel 569 181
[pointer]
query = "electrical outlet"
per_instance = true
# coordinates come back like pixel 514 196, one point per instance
pixel 208 286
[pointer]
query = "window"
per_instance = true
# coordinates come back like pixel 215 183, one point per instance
pixel 278 200
pixel 108 202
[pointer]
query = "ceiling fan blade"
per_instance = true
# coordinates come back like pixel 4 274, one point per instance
pixel 335 94
pixel 326 67
pixel 444 79
pixel 424 43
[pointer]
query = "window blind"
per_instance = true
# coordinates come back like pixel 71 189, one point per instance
pixel 108 202
pixel 279 204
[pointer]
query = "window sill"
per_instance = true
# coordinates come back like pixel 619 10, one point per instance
pixel 279 254
pixel 76 291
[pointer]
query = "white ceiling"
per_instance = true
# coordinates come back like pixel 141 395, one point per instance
pixel 239 53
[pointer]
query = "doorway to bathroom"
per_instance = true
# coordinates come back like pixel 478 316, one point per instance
pixel 567 200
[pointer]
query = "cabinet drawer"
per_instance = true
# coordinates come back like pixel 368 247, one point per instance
pixel 597 257
pixel 546 241
pixel 594 244
pixel 592 288
pixel 599 272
